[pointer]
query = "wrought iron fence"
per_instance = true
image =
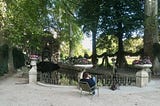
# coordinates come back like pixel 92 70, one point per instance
pixel 107 80
pixel 71 78
pixel 58 78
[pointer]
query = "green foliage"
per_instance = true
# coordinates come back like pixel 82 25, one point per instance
pixel 79 51
pixel 3 59
pixel 123 16
pixel 88 14
pixel 66 81
pixel 4 51
pixel 3 68
pixel 112 17
pixel 24 22
pixel 18 58
pixel 69 31
pixel 133 44
pixel 107 44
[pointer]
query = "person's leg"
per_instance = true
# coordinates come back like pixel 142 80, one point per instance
pixel 94 79
pixel 93 91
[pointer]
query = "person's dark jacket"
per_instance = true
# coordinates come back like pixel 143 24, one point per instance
pixel 90 81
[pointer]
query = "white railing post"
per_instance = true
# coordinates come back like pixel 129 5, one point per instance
pixel 141 78
pixel 33 71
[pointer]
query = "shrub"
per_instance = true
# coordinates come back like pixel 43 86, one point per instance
pixel 18 58
pixel 3 59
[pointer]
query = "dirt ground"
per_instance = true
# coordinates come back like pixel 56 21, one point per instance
pixel 15 91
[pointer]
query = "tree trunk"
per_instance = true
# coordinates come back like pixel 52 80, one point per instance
pixel 10 61
pixel 71 46
pixel 121 60
pixel 94 53
pixel 151 31
pixel 151 26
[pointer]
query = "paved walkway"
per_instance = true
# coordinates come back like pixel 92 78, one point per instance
pixel 14 92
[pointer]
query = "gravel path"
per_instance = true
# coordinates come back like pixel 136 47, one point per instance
pixel 15 92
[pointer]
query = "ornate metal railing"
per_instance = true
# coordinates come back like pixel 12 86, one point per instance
pixel 70 77
pixel 107 80
pixel 58 78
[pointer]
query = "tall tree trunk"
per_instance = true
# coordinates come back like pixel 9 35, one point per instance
pixel 121 60
pixel 94 53
pixel 11 68
pixel 71 46
pixel 151 31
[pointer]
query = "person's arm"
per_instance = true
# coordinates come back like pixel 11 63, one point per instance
pixel 89 76
pixel 92 82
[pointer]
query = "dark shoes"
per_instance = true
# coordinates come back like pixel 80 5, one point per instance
pixel 93 93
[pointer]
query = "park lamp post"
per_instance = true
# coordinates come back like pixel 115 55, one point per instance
pixel 114 86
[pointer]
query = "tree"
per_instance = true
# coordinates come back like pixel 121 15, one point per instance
pixel 64 22
pixel 108 44
pixel 23 25
pixel 121 18
pixel 88 17
pixel 113 17
pixel 133 44
pixel 151 31
pixel 6 52
pixel 151 26
pixel 2 16
pixel 25 22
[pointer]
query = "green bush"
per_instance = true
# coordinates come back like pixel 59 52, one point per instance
pixel 3 69
pixel 4 59
pixel 18 58
pixel 64 80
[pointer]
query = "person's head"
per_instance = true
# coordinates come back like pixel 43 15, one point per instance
pixel 85 75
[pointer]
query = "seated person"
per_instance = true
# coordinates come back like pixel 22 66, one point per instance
pixel 89 79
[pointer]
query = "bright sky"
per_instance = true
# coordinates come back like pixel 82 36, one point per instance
pixel 87 43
